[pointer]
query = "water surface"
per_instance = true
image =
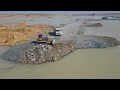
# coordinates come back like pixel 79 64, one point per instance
pixel 82 63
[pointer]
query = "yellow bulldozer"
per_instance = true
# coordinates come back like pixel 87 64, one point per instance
pixel 45 39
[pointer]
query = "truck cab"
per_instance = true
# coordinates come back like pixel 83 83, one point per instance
pixel 58 31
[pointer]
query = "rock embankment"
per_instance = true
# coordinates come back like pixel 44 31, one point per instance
pixel 36 54
pixel 97 42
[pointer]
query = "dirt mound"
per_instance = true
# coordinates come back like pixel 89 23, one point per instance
pixel 13 35
pixel 10 38
pixel 94 25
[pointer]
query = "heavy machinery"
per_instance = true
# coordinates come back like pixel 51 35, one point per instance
pixel 45 39
pixel 57 31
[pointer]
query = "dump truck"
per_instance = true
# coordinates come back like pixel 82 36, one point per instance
pixel 57 31
pixel 45 39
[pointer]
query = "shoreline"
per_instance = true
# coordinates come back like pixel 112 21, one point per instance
pixel 42 52
pixel 72 32
pixel 81 63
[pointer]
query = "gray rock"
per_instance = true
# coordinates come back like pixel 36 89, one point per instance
pixel 44 49
pixel 30 50
pixel 32 53
pixel 33 59
pixel 28 56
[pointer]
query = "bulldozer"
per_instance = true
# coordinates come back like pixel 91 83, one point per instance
pixel 45 39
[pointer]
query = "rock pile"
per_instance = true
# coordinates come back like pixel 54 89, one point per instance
pixel 36 54
pixel 41 53
pixel 60 50
pixel 90 44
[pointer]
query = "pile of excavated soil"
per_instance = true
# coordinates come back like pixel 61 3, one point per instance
pixel 14 35
pixel 10 38
pixel 41 53
pixel 94 25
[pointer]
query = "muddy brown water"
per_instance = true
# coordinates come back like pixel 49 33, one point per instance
pixel 82 63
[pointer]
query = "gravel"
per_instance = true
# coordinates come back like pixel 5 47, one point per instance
pixel 36 54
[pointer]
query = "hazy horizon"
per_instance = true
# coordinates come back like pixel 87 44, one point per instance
pixel 57 12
